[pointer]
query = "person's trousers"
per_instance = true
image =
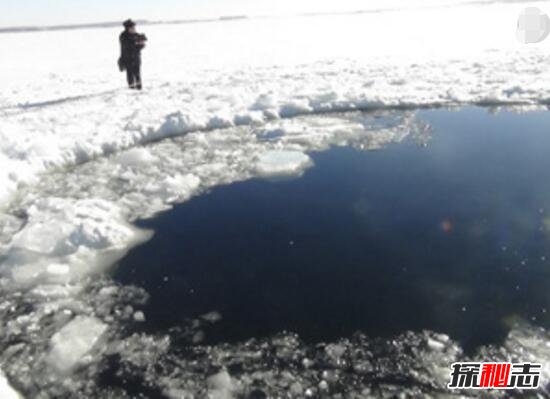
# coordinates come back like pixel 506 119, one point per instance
pixel 133 74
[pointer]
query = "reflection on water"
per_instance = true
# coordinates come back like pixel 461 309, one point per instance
pixel 450 234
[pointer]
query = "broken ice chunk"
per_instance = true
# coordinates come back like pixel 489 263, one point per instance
pixel 70 344
pixel 139 316
pixel 6 391
pixel 212 317
pixel 281 163
pixel 136 157
pixel 220 386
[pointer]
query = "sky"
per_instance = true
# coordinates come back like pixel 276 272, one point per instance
pixel 53 12
pixel 56 12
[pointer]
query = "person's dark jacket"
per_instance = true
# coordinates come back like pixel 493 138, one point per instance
pixel 131 45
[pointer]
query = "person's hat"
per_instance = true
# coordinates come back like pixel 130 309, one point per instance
pixel 129 23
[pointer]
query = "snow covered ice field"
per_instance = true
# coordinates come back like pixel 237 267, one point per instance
pixel 81 157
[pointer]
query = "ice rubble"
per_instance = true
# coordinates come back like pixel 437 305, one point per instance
pixel 168 366
pixel 64 240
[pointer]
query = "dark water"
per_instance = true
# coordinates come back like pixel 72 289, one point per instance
pixel 452 237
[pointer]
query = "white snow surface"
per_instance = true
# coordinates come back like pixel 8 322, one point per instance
pixel 63 101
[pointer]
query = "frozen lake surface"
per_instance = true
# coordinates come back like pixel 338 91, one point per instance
pixel 307 128
pixel 65 110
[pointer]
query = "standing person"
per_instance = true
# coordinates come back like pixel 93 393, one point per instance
pixel 131 44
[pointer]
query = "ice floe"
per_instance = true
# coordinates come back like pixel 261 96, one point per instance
pixel 64 240
pixel 276 163
pixel 410 365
